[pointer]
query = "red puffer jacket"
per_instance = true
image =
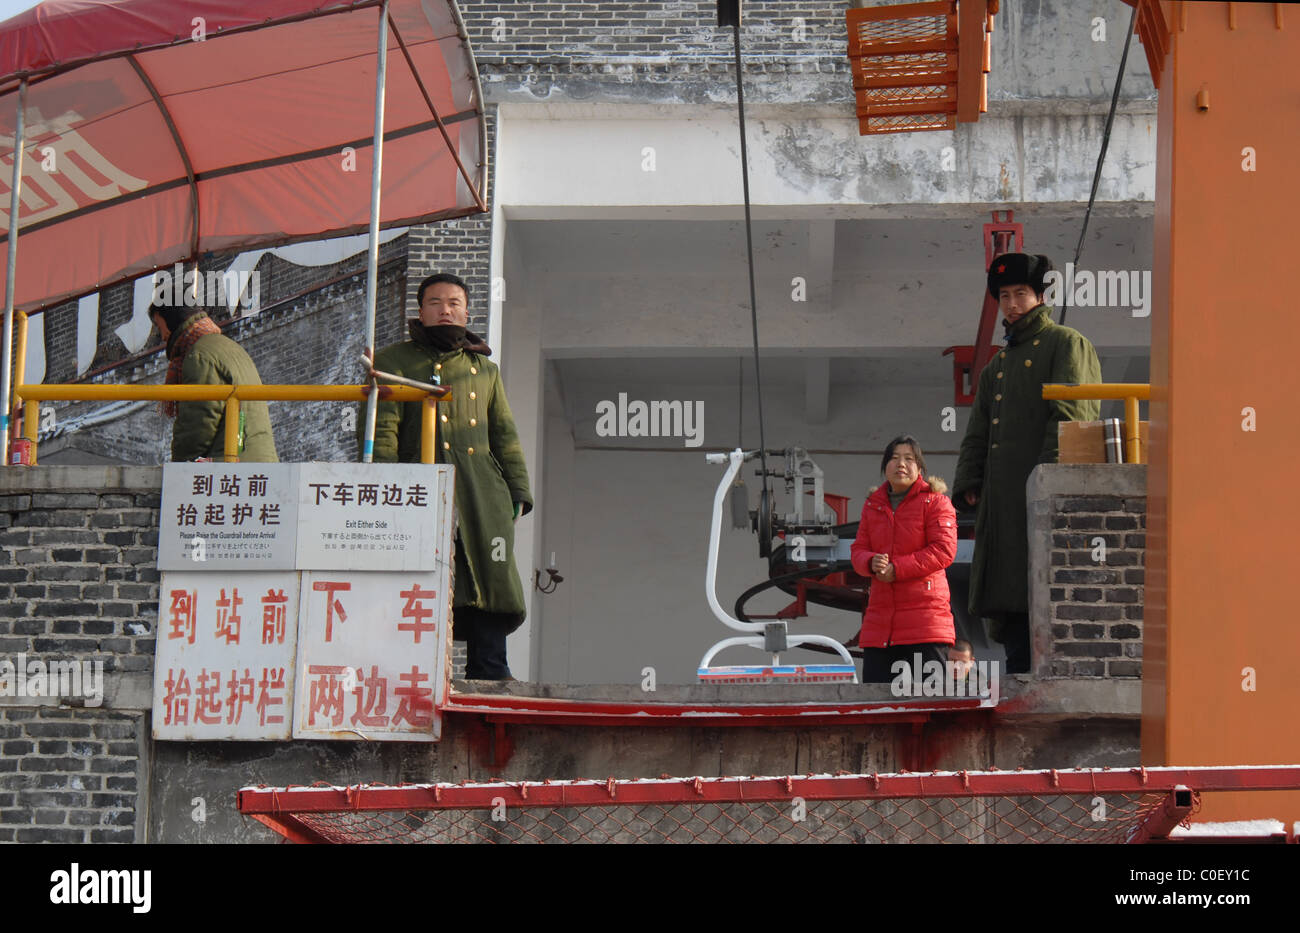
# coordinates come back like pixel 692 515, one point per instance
pixel 921 540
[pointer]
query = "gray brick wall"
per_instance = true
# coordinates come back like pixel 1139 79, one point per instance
pixel 77 582
pixel 1097 604
pixel 70 775
pixel 1087 587
pixel 567 35
pixel 462 247
pixel 78 576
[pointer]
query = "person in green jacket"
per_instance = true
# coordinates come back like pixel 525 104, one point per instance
pixel 200 354
pixel 476 434
pixel 1011 430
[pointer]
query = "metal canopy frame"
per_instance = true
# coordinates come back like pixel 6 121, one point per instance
pixel 385 23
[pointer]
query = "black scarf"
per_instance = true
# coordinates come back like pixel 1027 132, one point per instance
pixel 441 337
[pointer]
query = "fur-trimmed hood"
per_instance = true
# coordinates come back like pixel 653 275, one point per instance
pixel 936 483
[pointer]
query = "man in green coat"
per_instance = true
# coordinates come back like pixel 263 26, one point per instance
pixel 200 354
pixel 1012 429
pixel 476 434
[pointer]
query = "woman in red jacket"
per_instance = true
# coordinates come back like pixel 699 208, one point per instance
pixel 907 536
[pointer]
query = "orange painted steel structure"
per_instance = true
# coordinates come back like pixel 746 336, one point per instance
pixel 1219 686
pixel 920 66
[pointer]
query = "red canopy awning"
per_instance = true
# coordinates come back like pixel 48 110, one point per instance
pixel 160 129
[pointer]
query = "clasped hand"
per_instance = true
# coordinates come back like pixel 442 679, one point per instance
pixel 882 569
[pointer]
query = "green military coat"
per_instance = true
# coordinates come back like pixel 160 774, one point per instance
pixel 200 427
pixel 1011 430
pixel 476 434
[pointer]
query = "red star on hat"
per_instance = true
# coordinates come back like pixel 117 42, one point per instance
pixel 1002 268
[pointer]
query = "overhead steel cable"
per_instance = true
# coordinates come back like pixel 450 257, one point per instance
pixel 1101 158
pixel 729 13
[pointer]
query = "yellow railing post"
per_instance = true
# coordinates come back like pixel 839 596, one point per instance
pixel 31 424
pixel 20 348
pixel 20 364
pixel 1132 429
pixel 232 429
pixel 428 430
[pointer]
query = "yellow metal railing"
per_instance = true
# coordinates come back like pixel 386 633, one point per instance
pixel 232 395
pixel 1130 392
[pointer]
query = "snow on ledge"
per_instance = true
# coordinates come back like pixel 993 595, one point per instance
pixel 1237 828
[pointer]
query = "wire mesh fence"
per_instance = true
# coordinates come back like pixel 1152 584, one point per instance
pixel 1066 806
pixel 941 820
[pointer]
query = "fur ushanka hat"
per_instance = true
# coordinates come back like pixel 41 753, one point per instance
pixel 1019 269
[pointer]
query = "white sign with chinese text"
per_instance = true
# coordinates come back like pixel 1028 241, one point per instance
pixel 374 516
pixel 372 655
pixel 224 667
pixel 224 516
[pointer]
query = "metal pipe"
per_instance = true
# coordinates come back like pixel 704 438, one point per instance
pixel 6 355
pixel 436 391
pixel 428 430
pixel 734 460
pixel 31 411
pixel 372 255
pixel 214 393
pixel 1160 821
pixel 1108 391
pixel 20 351
pixel 232 429
pixel 31 425
pixel 1132 430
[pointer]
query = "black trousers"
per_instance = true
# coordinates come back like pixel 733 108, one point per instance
pixel 877 662
pixel 484 634
pixel 1012 630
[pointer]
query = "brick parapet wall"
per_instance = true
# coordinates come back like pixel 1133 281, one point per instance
pixel 1086 584
pixel 78 582
pixel 71 775
pixel 78 579
pixel 78 573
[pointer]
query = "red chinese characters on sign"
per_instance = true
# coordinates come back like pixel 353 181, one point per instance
pixel 241 690
pixel 228 616
pixel 270 693
pixel 327 686
pixel 184 614
pixel 332 605
pixel 415 612
pixel 246 695
pixel 207 701
pixel 415 702
pixel 370 709
pixel 176 699
pixel 326 693
pixel 274 605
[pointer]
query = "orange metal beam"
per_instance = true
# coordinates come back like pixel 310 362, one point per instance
pixel 1219 686
pixel 971 15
